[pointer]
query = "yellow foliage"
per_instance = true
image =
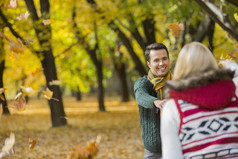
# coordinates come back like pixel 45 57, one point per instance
pixel 236 16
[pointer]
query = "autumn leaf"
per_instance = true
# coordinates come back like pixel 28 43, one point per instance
pixel 55 82
pixel 4 36
pixel 86 152
pixel 234 54
pixel 175 28
pixel 16 47
pixel 2 90
pixel 13 4
pixel 27 90
pixel 48 21
pixel 236 16
pixel 2 97
pixel 32 143
pixel 8 146
pixel 20 102
pixel 23 16
pixel 48 93
pixel 37 71
pixel 1 110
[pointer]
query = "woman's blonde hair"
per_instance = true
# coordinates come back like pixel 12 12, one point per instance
pixel 193 57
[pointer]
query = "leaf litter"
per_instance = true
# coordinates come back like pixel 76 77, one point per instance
pixel 118 129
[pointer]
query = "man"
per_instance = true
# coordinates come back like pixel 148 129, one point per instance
pixel 149 93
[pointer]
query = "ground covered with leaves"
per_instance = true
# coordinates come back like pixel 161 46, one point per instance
pixel 118 127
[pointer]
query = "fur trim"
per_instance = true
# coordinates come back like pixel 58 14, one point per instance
pixel 200 79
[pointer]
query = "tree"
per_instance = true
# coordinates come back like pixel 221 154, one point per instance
pixel 120 68
pixel 43 33
pixel 220 17
pixel 95 55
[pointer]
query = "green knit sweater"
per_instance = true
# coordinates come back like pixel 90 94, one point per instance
pixel 149 120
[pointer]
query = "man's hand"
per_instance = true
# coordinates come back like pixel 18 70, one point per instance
pixel 159 103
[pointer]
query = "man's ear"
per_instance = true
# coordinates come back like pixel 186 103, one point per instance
pixel 148 64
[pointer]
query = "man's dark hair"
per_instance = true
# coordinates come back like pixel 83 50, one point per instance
pixel 154 46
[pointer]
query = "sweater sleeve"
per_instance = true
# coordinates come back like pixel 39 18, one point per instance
pixel 143 97
pixel 170 120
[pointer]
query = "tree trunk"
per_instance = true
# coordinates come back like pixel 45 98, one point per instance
pixel 56 107
pixel 121 72
pixel 3 102
pixel 78 94
pixel 43 33
pixel 149 30
pixel 202 29
pixel 97 60
pixel 100 87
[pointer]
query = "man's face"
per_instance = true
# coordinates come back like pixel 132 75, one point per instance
pixel 159 62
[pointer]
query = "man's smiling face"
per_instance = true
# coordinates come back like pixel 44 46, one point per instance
pixel 159 62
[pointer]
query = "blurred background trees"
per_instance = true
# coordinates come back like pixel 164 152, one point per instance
pixel 96 47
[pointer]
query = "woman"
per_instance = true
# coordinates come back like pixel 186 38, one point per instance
pixel 201 118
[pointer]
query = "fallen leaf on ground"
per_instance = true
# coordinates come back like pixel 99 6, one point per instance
pixel 32 143
pixel 86 152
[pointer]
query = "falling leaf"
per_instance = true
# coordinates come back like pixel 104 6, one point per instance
pixel 55 82
pixel 4 36
pixel 23 16
pixel 20 102
pixel 8 146
pixel 48 93
pixel 27 90
pixel 37 71
pixel 2 90
pixel 16 47
pixel 13 4
pixel 29 41
pixel 236 16
pixel 175 28
pixel 1 110
pixel 48 21
pixel 86 152
pixel 12 56
pixel 234 54
pixel 2 97
pixel 32 143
